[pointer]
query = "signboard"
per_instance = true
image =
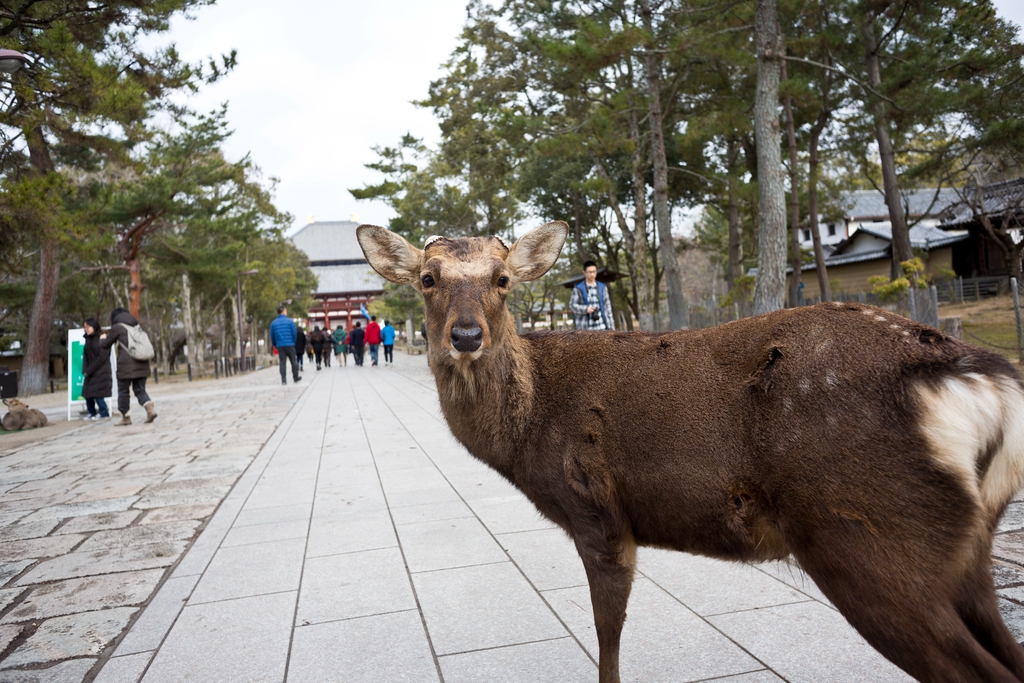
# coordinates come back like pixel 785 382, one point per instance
pixel 76 380
pixel 76 349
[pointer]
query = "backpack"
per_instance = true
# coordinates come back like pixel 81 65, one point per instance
pixel 139 347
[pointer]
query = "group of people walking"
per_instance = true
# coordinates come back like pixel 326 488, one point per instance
pixel 293 344
pixel 133 355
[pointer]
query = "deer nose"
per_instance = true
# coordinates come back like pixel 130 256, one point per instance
pixel 467 339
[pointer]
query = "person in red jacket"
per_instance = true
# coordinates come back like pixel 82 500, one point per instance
pixel 373 338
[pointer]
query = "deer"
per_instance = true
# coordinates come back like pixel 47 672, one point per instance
pixel 874 452
pixel 19 416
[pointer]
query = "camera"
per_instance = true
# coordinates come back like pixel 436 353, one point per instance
pixel 595 315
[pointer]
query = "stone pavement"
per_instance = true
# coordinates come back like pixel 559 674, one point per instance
pixel 363 544
pixel 90 521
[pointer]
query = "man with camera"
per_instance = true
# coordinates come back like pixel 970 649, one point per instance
pixel 591 302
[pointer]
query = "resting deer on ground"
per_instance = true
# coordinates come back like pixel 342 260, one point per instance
pixel 875 451
pixel 20 416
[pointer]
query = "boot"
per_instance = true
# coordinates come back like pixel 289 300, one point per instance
pixel 150 412
pixel 125 421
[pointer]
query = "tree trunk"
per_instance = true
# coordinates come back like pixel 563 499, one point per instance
pixel 812 204
pixel 733 214
pixel 646 294
pixel 770 290
pixel 35 365
pixel 794 202
pixel 135 288
pixel 677 310
pixel 186 305
pixel 234 327
pixel 901 250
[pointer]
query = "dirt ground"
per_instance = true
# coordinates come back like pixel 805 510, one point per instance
pixel 989 323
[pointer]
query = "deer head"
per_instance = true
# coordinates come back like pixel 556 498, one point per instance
pixel 464 281
pixel 14 405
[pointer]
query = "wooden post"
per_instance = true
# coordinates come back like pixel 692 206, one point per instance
pixel 913 303
pixel 935 304
pixel 1016 312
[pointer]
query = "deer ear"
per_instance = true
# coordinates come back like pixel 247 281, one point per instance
pixel 534 253
pixel 389 254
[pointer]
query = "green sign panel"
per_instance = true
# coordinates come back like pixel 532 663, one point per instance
pixel 76 379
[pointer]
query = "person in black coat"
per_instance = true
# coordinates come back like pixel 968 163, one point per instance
pixel 300 344
pixel 96 369
pixel 355 343
pixel 131 373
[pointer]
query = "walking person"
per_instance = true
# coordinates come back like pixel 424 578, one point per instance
pixel 340 345
pixel 316 338
pixel 96 368
pixel 132 373
pixel 387 340
pixel 328 347
pixel 355 343
pixel 300 345
pixel 590 302
pixel 283 334
pixel 373 338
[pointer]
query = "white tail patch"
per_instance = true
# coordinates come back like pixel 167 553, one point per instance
pixel 964 418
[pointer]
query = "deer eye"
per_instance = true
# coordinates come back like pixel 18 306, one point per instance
pixel 428 281
pixel 503 281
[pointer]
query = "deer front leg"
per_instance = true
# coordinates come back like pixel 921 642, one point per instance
pixel 609 562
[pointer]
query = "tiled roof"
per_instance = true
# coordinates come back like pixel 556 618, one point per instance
pixel 995 199
pixel 347 279
pixel 922 236
pixel 868 204
pixel 329 241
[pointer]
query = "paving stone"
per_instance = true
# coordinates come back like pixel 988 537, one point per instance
pixel 477 607
pixel 7 596
pixel 141 535
pixel 1013 617
pixel 201 496
pixel 234 641
pixel 661 640
pixel 431 512
pixel 191 484
pixel 251 570
pixel 8 570
pixel 547 557
pixel 266 532
pixel 1012 519
pixel 1004 574
pixel 387 647
pixel 175 513
pixel 16 532
pixel 78 635
pixel 8 632
pixel 79 509
pixel 100 521
pixel 508 514
pixel 551 661
pixel 54 484
pixel 1009 547
pixel 65 672
pixel 156 620
pixel 450 543
pixel 808 642
pixel 126 669
pixel 50 546
pixel 29 474
pixel 354 585
pixel 105 561
pixel 86 595
pixel 710 586
pixel 350 533
pixel 283 513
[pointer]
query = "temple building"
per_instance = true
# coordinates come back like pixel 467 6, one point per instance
pixel 346 280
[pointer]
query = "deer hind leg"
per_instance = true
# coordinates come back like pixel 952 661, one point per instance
pixel 979 608
pixel 912 616
pixel 609 563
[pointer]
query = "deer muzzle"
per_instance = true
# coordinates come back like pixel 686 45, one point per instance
pixel 467 338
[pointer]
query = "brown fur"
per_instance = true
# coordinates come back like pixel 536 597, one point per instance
pixel 800 433
pixel 20 416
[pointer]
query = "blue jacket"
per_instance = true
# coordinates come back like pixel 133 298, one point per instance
pixel 282 332
pixel 578 305
pixel 387 335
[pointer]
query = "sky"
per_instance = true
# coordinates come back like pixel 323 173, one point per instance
pixel 319 83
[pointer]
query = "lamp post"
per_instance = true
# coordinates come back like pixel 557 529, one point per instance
pixel 241 338
pixel 11 61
